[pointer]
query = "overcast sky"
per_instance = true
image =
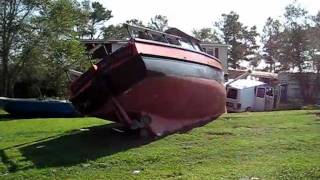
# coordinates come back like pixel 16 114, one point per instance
pixel 187 15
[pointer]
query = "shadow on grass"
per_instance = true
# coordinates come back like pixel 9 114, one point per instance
pixel 10 164
pixel 78 147
pixel 10 117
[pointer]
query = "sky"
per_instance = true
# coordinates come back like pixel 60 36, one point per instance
pixel 188 15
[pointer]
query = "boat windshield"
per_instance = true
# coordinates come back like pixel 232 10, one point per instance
pixel 149 34
pixel 186 45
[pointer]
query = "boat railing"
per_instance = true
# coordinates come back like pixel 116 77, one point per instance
pixel 150 34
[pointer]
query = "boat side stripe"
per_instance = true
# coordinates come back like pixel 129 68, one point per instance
pixel 175 53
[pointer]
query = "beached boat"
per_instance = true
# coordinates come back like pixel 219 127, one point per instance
pixel 158 82
pixel 38 108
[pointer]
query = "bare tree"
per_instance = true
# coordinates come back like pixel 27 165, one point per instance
pixel 159 22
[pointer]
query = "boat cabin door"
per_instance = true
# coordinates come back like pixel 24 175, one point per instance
pixel 264 98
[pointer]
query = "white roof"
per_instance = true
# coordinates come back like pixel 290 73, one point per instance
pixel 264 74
pixel 245 83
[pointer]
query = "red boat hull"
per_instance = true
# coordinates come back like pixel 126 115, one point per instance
pixel 173 104
pixel 140 87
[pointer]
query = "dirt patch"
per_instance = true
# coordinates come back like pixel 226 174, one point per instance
pixel 220 133
pixel 316 114
pixel 238 126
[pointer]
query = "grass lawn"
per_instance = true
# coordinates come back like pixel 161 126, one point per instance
pixel 267 145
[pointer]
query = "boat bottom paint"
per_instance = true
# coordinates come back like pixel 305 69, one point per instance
pixel 172 103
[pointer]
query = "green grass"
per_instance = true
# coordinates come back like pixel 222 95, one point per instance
pixel 267 145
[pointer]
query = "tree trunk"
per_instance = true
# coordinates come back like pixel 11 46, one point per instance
pixel 317 88
pixel 4 78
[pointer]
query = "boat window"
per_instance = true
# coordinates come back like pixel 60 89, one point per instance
pixel 196 47
pixel 174 41
pixel 186 45
pixel 143 35
pixel 181 68
pixel 157 37
pixel 261 92
pixel 232 93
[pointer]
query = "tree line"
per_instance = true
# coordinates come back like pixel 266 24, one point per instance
pixel 289 43
pixel 41 39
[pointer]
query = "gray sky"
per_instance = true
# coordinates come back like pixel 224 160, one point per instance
pixel 187 15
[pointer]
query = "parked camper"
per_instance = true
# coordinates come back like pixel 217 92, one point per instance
pixel 249 95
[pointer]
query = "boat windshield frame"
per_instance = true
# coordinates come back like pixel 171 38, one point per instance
pixel 137 32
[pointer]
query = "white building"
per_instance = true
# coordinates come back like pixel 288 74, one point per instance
pixel 220 51
pixel 291 88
